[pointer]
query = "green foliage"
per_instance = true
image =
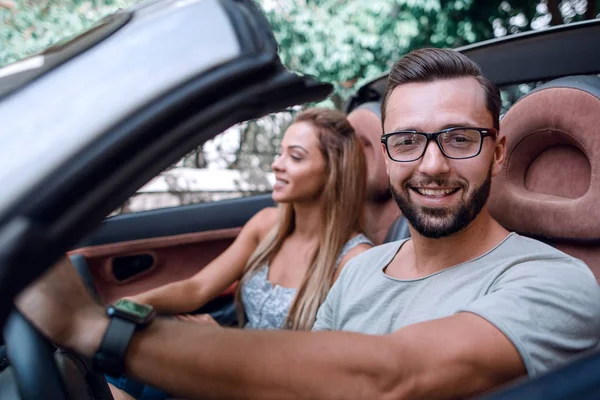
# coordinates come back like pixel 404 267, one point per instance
pixel 343 42
pixel 28 26
pixel 349 42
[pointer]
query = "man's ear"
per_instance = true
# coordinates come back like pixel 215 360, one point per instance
pixel 499 155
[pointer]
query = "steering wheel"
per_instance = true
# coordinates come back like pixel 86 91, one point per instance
pixel 42 372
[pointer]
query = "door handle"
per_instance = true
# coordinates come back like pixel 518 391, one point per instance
pixel 126 267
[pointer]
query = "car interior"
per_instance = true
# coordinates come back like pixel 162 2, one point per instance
pixel 543 192
pixel 546 190
pixel 113 270
pixel 548 187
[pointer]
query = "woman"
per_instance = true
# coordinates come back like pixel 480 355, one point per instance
pixel 287 258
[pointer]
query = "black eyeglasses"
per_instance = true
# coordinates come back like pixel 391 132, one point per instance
pixel 455 143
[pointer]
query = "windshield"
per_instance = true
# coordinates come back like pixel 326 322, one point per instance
pixel 16 75
pixel 48 121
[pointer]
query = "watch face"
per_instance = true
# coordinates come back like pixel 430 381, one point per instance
pixel 138 313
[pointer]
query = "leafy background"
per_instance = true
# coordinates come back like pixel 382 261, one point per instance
pixel 341 41
pixel 345 42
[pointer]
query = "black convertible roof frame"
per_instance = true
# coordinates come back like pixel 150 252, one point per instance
pixel 76 196
pixel 527 57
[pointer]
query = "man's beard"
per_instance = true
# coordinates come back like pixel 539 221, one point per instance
pixel 437 223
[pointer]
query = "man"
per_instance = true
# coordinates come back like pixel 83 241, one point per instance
pixel 380 209
pixel 461 307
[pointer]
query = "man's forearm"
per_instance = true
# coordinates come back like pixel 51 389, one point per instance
pixel 196 361
pixel 451 357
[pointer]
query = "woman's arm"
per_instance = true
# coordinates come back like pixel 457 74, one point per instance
pixel 192 293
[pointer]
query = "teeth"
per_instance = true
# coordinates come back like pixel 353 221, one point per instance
pixel 280 181
pixel 434 192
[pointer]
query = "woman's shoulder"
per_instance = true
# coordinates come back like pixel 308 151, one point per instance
pixel 357 239
pixel 357 243
pixel 267 214
pixel 263 221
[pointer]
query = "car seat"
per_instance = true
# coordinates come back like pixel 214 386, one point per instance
pixel 399 228
pixel 549 185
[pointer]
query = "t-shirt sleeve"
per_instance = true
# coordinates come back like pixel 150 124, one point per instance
pixel 549 309
pixel 324 321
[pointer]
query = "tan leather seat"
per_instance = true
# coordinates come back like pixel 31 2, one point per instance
pixel 549 187
pixel 399 228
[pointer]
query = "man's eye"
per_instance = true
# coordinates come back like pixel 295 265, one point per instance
pixel 406 141
pixel 458 138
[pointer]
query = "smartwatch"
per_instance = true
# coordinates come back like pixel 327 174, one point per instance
pixel 126 317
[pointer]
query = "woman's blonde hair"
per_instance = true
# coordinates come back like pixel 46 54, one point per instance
pixel 342 213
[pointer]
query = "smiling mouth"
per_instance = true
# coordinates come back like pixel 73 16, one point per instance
pixel 435 193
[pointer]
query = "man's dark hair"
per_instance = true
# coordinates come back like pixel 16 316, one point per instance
pixel 427 65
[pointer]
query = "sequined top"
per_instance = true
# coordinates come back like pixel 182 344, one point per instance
pixel 267 304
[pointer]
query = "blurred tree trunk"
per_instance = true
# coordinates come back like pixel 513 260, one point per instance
pixel 338 101
pixel 199 160
pixel 553 7
pixel 592 9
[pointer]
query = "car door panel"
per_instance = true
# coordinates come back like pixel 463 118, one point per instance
pixel 172 258
pixel 178 241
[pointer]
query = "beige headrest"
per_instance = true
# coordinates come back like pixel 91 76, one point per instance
pixel 549 186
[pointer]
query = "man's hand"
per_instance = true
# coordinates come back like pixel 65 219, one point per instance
pixel 60 306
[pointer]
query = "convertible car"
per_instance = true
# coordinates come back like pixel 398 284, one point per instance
pixel 87 123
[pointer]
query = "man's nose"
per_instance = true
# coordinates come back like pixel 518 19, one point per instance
pixel 434 162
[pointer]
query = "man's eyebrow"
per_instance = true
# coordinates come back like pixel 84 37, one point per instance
pixel 465 123
pixel 404 128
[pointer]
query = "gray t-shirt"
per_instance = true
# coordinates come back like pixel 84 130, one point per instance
pixel 546 302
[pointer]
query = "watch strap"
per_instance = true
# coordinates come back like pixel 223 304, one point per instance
pixel 110 357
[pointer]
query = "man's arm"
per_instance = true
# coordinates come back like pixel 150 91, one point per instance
pixel 444 358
